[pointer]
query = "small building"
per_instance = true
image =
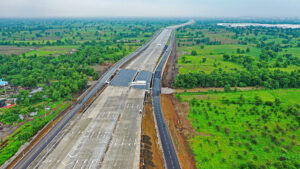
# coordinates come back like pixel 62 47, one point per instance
pixel 47 108
pixel 36 90
pixel 73 51
pixel 21 116
pixel 33 113
pixel 40 89
pixel 3 83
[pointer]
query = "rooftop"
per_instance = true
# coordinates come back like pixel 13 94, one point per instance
pixel 3 83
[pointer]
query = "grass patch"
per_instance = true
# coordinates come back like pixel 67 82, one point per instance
pixel 245 129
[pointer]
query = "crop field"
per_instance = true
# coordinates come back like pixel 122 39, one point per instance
pixel 250 129
pixel 10 50
pixel 53 50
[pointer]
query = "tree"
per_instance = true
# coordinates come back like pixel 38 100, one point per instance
pixel 55 95
pixel 183 58
pixel 258 100
pixel 248 50
pixel 194 53
pixel 226 57
pixel 277 101
pixel 227 88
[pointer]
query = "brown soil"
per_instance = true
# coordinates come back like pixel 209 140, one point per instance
pixel 8 130
pixel 9 50
pixel 102 68
pixel 151 156
pixel 171 69
pixel 175 114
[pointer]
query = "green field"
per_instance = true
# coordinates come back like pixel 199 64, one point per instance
pixel 250 129
pixel 215 56
pixel 191 39
pixel 52 50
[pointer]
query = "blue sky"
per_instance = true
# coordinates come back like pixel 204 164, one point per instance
pixel 150 8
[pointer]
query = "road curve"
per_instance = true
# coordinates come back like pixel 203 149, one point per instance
pixel 169 151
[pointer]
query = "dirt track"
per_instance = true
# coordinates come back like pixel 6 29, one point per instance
pixel 175 114
pixel 171 69
pixel 151 152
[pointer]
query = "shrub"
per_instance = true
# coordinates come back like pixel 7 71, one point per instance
pixel 226 130
pixel 194 53
pixel 268 103
pixel 227 88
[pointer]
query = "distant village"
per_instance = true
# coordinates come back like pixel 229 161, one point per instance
pixel 8 100
pixel 8 93
pixel 3 97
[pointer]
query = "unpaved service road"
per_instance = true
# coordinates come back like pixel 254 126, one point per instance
pixel 107 135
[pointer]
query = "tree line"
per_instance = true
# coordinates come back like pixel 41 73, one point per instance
pixel 259 77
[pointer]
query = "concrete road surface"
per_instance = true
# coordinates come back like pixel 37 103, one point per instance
pixel 148 59
pixel 107 135
pixel 110 123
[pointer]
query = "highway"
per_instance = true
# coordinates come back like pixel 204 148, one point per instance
pixel 107 134
pixel 169 151
pixel 41 145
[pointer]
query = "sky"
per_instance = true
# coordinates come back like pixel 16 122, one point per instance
pixel 150 8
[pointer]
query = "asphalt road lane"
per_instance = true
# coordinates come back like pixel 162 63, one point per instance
pixel 169 151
